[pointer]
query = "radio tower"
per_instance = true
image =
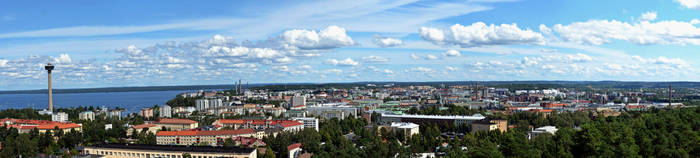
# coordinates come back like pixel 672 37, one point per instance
pixel 48 68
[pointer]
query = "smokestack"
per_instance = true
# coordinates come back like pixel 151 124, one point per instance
pixel 49 68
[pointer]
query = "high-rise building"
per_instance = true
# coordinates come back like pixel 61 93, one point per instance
pixel 165 111
pixel 298 100
pixel 202 104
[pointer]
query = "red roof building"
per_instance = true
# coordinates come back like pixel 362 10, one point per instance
pixel 25 126
pixel 203 137
pixel 287 125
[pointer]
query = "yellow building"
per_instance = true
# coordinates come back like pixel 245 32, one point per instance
pixel 203 137
pixel 489 125
pixel 150 128
pixel 151 151
pixel 177 124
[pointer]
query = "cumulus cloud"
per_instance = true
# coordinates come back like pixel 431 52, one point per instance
pixel 387 41
pixel 452 53
pixel 692 4
pixel 648 16
pixel 373 58
pixel 346 62
pixel 480 34
pixel 328 38
pixel 644 32
pixel 450 68
pixel 218 57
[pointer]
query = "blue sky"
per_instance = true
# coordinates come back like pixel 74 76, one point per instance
pixel 149 43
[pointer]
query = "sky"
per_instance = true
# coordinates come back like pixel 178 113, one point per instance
pixel 157 43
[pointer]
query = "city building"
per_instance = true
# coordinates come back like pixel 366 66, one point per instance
pixel 201 104
pixel 212 138
pixel 332 112
pixel 407 128
pixel 170 151
pixel 177 124
pixel 59 117
pixel 419 119
pixel 165 111
pixel 25 126
pixel 150 128
pixel 542 130
pixel 294 150
pixel 489 125
pixel 286 125
pixel 87 115
pixel 146 113
pixel 298 100
pixel 309 122
pixel 116 113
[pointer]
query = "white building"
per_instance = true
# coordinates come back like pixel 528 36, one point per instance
pixel 59 117
pixel 215 103
pixel 202 104
pixel 407 128
pixel 309 122
pixel 87 115
pixel 165 111
pixel 542 130
pixel 298 100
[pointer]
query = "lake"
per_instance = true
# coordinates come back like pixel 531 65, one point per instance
pixel 131 101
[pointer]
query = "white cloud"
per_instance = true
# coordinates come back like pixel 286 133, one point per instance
pixel 346 62
pixel 556 58
pixel 387 41
pixel 598 32
pixel 305 67
pixel 63 58
pixel 452 53
pixel 387 71
pixel 692 4
pixel 675 62
pixel 480 34
pixel 648 16
pixel 328 38
pixel 431 57
pixel 420 69
pixel 414 56
pixel 373 58
pixel 3 63
pixel 449 68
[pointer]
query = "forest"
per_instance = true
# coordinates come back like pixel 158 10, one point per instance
pixel 653 133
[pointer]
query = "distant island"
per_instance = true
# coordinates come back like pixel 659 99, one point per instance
pixel 284 86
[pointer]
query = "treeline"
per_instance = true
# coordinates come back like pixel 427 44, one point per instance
pixel 655 133
pixel 180 101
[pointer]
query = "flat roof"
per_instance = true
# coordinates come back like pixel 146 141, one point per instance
pixel 453 117
pixel 176 148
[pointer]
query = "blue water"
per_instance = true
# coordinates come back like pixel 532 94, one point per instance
pixel 131 101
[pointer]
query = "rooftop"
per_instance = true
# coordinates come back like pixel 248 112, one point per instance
pixel 39 124
pixel 175 121
pixel 205 133
pixel 177 148
pixel 453 117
